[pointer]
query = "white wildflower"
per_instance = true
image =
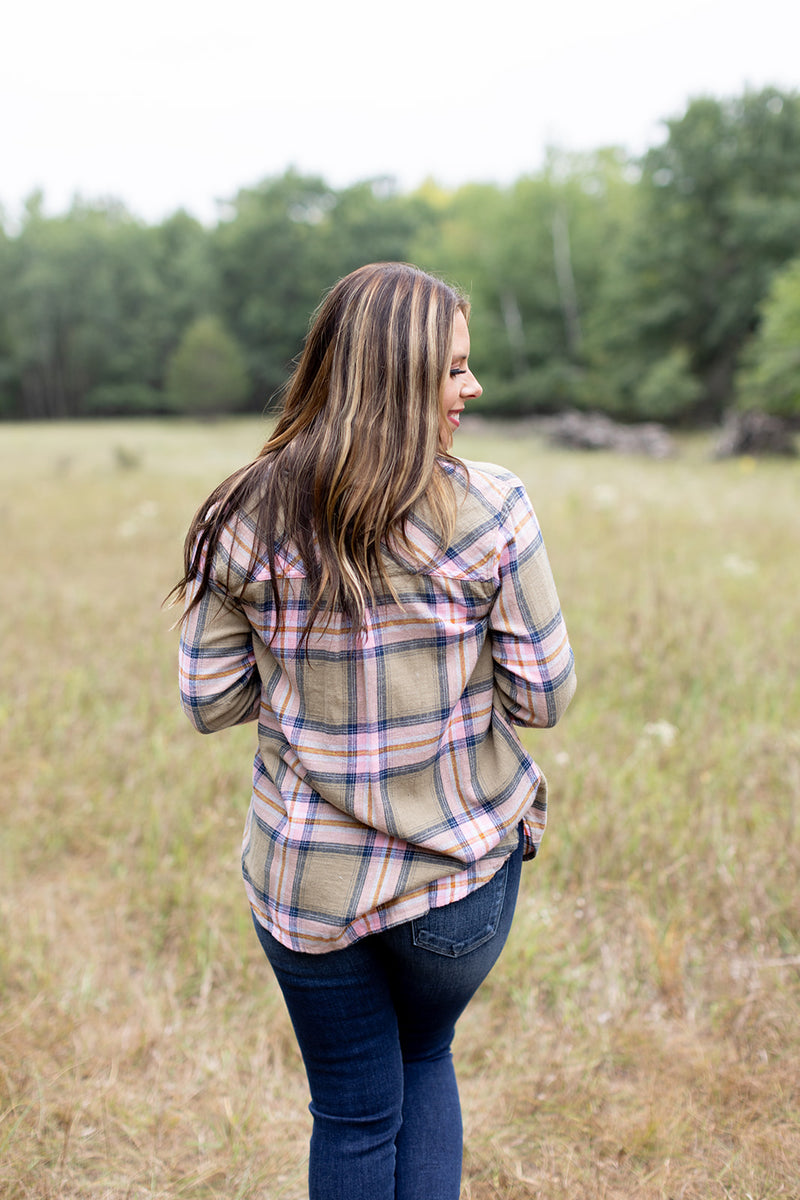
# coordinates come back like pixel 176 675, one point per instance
pixel 661 731
pixel 146 511
pixel 605 495
pixel 740 568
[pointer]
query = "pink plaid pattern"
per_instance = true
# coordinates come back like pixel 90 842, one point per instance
pixel 389 777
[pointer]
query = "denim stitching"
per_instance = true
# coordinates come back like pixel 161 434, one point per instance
pixel 438 944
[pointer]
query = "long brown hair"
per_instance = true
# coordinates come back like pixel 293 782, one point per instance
pixel 355 446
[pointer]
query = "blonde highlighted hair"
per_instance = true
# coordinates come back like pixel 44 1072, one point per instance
pixel 356 445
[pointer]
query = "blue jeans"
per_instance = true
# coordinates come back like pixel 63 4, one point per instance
pixel 375 1023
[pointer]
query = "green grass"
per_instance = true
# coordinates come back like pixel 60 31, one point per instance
pixel 640 1036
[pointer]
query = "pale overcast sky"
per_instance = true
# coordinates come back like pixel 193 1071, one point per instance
pixel 179 103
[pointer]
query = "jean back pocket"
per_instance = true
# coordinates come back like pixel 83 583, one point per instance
pixel 457 928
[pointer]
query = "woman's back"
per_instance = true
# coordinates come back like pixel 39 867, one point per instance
pixel 388 770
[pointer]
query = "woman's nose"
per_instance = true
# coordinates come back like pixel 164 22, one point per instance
pixel 471 386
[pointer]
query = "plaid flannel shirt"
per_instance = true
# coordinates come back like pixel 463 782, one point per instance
pixel 389 778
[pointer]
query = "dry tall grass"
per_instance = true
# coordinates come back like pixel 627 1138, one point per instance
pixel 640 1037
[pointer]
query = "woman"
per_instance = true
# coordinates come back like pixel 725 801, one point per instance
pixel 387 613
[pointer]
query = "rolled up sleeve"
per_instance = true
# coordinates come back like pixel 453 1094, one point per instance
pixel 534 666
pixel 219 680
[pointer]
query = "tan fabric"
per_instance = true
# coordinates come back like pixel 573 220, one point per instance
pixel 389 778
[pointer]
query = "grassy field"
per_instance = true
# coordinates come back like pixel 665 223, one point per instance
pixel 641 1035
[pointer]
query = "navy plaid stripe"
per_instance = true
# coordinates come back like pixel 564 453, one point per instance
pixel 389 777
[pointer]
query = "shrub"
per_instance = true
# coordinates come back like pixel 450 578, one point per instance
pixel 207 374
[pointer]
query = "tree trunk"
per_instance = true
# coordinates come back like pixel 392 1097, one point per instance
pixel 512 319
pixel 568 296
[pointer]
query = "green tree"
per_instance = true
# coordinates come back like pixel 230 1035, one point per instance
pixel 770 376
pixel 668 389
pixel 371 221
pixel 272 269
pixel 284 243
pixel 533 257
pixel 186 285
pixel 718 214
pixel 80 307
pixel 206 374
pixel 9 383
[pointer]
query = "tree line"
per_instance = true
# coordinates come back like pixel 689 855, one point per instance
pixel 664 288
